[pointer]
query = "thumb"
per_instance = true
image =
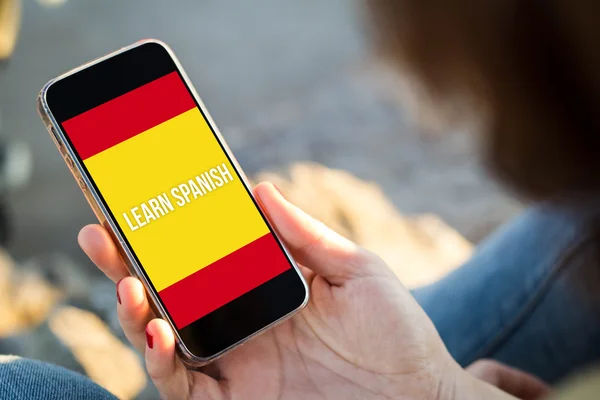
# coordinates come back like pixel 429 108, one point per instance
pixel 312 244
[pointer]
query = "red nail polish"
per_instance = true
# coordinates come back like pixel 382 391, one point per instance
pixel 149 338
pixel 119 296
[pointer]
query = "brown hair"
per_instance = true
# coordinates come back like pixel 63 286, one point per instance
pixel 531 67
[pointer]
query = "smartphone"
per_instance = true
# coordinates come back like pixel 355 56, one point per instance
pixel 161 179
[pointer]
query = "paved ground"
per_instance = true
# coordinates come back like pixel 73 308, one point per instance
pixel 244 57
pixel 285 80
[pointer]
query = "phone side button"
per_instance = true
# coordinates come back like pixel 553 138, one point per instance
pixel 69 161
pixel 82 184
pixel 56 137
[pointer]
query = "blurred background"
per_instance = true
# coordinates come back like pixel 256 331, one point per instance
pixel 298 95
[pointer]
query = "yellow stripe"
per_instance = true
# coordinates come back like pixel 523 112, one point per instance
pixel 182 241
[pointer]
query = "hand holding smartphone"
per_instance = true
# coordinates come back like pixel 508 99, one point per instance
pixel 160 178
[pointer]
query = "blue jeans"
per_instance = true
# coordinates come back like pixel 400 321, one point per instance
pixel 521 300
pixel 525 298
pixel 22 379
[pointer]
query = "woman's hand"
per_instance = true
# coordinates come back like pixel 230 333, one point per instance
pixel 361 336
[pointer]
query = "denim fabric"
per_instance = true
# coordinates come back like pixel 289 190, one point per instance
pixel 22 379
pixel 521 299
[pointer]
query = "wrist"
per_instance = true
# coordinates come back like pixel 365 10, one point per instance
pixel 444 379
pixel 466 387
pixel 452 382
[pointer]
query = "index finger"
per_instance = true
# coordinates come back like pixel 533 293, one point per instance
pixel 100 248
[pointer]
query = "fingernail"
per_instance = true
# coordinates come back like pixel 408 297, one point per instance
pixel 149 338
pixel 119 296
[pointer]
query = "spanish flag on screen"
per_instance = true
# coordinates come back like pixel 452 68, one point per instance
pixel 176 197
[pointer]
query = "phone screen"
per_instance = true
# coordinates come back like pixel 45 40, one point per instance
pixel 178 200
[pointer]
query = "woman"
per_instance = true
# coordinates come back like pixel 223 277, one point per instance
pixel 528 75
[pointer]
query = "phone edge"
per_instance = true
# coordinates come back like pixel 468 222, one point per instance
pixel 188 358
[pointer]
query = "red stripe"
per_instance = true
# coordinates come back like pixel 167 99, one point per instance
pixel 125 116
pixel 224 280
